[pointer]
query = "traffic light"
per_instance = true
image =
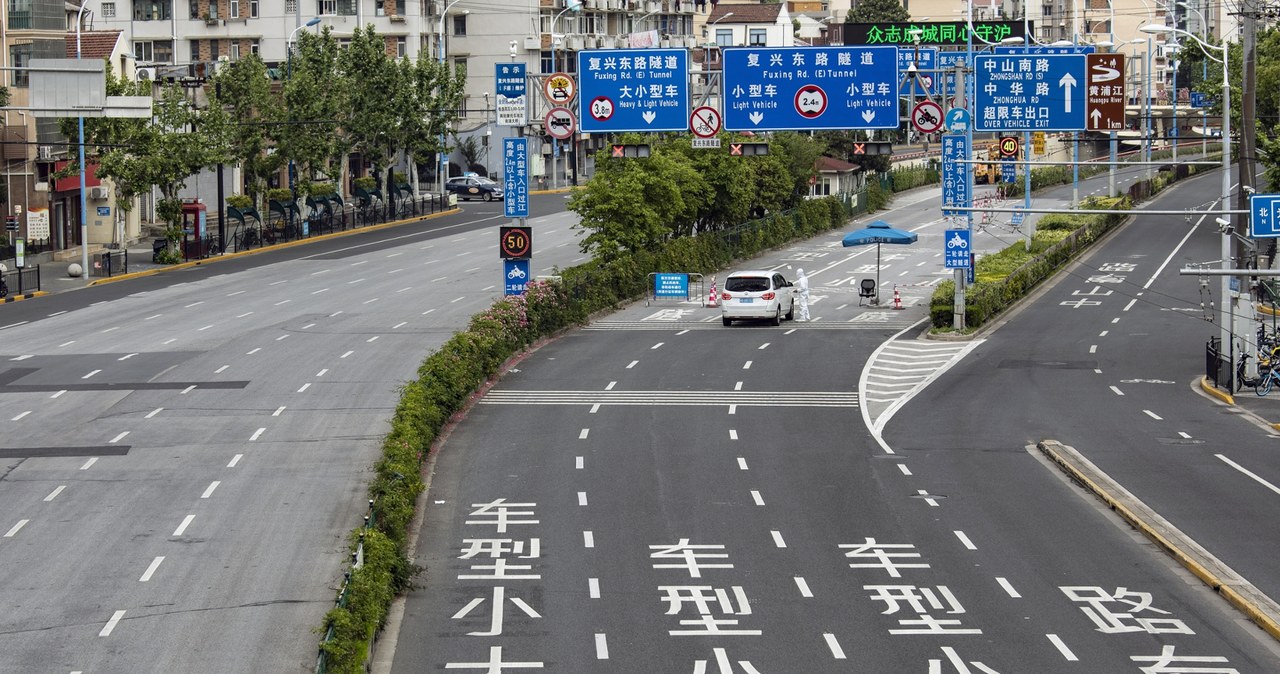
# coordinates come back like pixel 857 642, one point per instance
pixel 748 149
pixel 629 151
pixel 878 147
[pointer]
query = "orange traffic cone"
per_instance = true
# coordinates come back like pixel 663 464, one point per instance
pixel 713 300
pixel 897 299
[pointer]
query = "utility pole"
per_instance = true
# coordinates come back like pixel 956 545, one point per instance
pixel 1248 125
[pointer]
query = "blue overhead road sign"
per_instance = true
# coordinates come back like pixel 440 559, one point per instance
pixel 515 177
pixel 1029 93
pixel 925 60
pixel 955 174
pixel 1264 216
pixel 805 88
pixel 633 90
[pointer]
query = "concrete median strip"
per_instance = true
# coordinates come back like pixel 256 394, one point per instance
pixel 1258 607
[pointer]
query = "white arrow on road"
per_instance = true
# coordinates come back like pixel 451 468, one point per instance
pixel 1066 83
pixel 756 117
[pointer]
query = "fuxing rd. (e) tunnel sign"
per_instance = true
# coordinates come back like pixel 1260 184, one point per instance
pixel 806 88
pixel 633 90
pixel 1018 92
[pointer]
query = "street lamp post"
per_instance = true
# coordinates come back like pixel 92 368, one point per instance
pixel 1204 75
pixel 706 53
pixel 440 166
pixel 557 42
pixel 84 198
pixel 293 180
pixel 1225 220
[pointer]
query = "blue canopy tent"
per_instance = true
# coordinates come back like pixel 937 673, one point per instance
pixel 878 232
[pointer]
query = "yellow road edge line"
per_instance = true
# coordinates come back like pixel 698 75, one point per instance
pixel 276 246
pixel 25 296
pixel 1213 391
pixel 1251 610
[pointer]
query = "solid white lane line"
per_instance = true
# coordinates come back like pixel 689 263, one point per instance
pixel 91 374
pixel 582 435
pixel 588 540
pixel 577 462
pixel 804 587
pixel 111 624
pixel 903 467
pixel 16 527
pixel 278 411
pixel 1153 415
pixel 777 539
pixel 151 569
pixel 746 365
pixel 1117 391
pixel 88 463
pixel 1062 648
pixel 209 492
pixel 118 438
pixel 257 434
pixel 154 412
pixel 304 387
pixel 1008 588
pixel 593 588
pixel 964 540
pixel 1250 473
pixel 733 434
pixel 582 498
pixel 602 648
pixel 54 494
pixel 21 415
pixel 234 460
pixel 632 364
pixel 186 522
pixel 742 463
pixel 755 496
pixel 836 651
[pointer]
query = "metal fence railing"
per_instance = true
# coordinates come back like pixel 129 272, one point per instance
pixel 20 281
pixel 357 561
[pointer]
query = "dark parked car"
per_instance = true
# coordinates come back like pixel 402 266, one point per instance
pixel 472 186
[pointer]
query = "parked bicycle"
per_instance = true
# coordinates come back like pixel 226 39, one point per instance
pixel 1266 379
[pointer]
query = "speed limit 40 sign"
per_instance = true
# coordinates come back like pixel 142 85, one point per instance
pixel 515 243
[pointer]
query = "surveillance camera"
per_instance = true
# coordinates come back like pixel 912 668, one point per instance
pixel 1248 189
pixel 1223 221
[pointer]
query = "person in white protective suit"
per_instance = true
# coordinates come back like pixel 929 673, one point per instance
pixel 802 286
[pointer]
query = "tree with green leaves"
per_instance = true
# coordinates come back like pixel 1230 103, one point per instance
pixel 373 80
pixel 873 11
pixel 164 152
pixel 315 97
pixel 427 101
pixel 244 91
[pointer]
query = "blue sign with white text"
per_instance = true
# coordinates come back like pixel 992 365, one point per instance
pixel 515 276
pixel 671 285
pixel 510 80
pixel 633 90
pixel 1008 171
pixel 1029 93
pixel 1199 100
pixel 925 59
pixel 1264 216
pixel 947 63
pixel 957 248
pixel 955 174
pixel 805 88
pixel 515 177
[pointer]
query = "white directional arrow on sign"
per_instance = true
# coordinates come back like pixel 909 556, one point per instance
pixel 1066 83
pixel 868 115
pixel 756 117
pixel 1095 117
pixel 649 116
pixel 1103 73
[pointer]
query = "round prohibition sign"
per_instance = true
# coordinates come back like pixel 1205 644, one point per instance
pixel 927 116
pixel 811 101
pixel 1009 147
pixel 560 123
pixel 705 122
pixel 601 108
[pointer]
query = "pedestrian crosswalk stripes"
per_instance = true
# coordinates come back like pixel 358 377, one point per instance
pixel 677 398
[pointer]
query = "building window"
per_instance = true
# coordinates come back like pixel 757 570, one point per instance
pixel 195 51
pixel 153 51
pixel 460 66
pixel 213 50
pixel 724 37
pixel 20 57
pixel 547 62
pixel 290 7
pixel 758 37
pixel 152 10
pixel 233 12
pixel 460 24
pixel 402 47
pixel 234 50
pixel 328 7
pixel 254 47
pixel 253 9
pixel 109 10
pixel 194 8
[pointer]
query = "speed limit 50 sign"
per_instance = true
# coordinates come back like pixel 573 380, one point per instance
pixel 515 243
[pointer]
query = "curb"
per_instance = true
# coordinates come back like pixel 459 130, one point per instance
pixel 277 246
pixel 1259 608
pixel 1213 391
pixel 24 296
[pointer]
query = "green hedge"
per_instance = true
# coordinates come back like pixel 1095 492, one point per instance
pixel 447 379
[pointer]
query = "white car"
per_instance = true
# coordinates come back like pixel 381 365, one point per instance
pixel 757 294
